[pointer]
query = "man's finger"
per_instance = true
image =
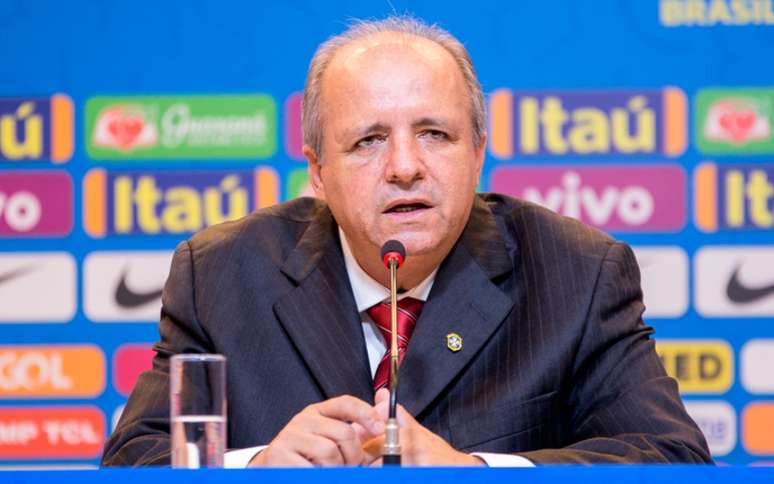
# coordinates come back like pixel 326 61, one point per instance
pixel 382 395
pixel 362 434
pixel 343 434
pixel 279 456
pixel 318 450
pixel 350 409
pixel 405 419
pixel 382 408
pixel 372 450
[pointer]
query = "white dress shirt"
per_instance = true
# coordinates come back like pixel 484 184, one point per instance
pixel 367 293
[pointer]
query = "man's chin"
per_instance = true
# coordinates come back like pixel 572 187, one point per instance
pixel 416 245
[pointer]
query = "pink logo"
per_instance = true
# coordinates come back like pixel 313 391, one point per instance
pixel 294 140
pixel 640 198
pixel 35 203
pixel 129 361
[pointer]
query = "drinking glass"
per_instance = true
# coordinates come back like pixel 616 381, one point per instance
pixel 197 397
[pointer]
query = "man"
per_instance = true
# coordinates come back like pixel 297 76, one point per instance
pixel 529 345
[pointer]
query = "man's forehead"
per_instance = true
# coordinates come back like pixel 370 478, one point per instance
pixel 387 45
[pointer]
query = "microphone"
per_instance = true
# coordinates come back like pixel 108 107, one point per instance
pixel 393 256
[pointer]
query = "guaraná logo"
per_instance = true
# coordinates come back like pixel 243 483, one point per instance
pixel 642 198
pixel 172 202
pixel 730 121
pixel 734 196
pixel 587 123
pixel 35 129
pixel 181 127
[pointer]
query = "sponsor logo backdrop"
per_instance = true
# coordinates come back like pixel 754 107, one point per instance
pixel 126 127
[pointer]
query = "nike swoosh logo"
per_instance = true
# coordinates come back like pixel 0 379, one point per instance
pixel 739 293
pixel 129 299
pixel 15 273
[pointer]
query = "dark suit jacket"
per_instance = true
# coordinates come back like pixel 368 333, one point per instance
pixel 556 363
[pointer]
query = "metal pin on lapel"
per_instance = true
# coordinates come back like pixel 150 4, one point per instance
pixel 454 342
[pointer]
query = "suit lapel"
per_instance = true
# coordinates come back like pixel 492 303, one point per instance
pixel 320 315
pixel 464 300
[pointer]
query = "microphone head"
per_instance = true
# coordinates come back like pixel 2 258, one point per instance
pixel 393 249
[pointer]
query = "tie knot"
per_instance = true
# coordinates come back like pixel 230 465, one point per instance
pixel 409 310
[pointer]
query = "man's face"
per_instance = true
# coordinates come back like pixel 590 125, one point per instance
pixel 398 159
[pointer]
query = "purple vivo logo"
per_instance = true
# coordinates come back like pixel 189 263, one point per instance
pixel 35 203
pixel 623 198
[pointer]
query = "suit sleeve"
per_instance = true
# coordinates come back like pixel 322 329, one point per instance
pixel 142 436
pixel 624 408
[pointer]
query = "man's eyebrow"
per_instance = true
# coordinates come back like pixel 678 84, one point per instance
pixel 360 132
pixel 431 121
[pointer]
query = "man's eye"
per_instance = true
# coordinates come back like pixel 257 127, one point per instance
pixel 435 135
pixel 369 141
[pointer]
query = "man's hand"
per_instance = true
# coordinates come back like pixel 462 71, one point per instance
pixel 329 433
pixel 420 447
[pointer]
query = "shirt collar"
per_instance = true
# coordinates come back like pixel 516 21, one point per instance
pixel 368 291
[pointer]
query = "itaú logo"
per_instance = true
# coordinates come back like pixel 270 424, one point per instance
pixel 734 196
pixel 583 123
pixel 39 371
pixel 612 197
pixel 172 202
pixel 33 129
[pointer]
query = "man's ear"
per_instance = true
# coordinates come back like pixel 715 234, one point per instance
pixel 480 156
pixel 315 177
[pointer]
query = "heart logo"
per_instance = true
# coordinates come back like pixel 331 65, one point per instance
pixel 738 124
pixel 125 129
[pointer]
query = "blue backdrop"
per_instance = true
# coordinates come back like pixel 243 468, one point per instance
pixel 125 125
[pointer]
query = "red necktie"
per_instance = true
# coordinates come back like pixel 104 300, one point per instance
pixel 408 313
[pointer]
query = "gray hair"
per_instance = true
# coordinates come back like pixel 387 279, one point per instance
pixel 310 105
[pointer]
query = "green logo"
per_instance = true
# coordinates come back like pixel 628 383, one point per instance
pixel 297 185
pixel 735 121
pixel 181 127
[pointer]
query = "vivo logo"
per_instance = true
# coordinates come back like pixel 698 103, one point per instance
pixel 35 203
pixel 615 197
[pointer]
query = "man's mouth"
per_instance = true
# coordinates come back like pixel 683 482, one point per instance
pixel 407 207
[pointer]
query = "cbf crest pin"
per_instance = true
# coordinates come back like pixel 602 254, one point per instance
pixel 454 342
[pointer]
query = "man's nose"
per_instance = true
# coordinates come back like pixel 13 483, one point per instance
pixel 405 163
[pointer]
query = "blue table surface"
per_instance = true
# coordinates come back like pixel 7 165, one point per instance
pixel 549 474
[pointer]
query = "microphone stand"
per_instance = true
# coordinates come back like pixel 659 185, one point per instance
pixel 392 451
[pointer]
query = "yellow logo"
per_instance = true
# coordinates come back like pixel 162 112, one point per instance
pixel 454 342
pixel 699 366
